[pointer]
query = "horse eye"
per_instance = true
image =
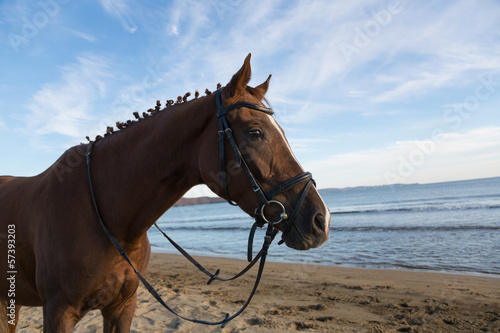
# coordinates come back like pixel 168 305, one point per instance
pixel 255 134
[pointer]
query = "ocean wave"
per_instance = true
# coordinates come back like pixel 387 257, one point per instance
pixel 167 228
pixel 415 228
pixel 197 219
pixel 414 209
pixel 335 228
pixel 446 198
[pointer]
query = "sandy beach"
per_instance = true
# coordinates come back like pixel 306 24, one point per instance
pixel 294 297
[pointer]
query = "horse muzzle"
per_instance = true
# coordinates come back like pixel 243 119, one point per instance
pixel 309 230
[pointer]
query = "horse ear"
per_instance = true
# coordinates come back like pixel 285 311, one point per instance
pixel 262 88
pixel 240 80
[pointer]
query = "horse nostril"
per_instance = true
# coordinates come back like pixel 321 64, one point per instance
pixel 320 222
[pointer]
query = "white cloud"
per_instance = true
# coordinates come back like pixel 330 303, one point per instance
pixel 377 113
pixel 63 106
pixel 308 144
pixel 449 156
pixel 432 53
pixel 434 49
pixel 83 35
pixel 13 12
pixel 174 30
pixel 120 9
pixel 415 54
pixel 297 37
pixel 430 76
pixel 186 18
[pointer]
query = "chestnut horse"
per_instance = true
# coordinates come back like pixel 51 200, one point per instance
pixel 62 258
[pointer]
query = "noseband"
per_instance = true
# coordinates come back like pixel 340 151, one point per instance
pixel 266 199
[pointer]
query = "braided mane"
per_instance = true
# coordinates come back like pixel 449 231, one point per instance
pixel 151 112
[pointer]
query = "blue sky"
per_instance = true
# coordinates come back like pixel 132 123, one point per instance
pixel 368 92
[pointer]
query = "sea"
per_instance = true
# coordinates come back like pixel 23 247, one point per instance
pixel 451 227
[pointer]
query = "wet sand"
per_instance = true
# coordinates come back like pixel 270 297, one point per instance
pixel 294 297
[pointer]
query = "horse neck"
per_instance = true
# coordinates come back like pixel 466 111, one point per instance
pixel 143 170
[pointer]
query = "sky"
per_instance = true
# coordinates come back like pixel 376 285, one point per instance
pixel 367 92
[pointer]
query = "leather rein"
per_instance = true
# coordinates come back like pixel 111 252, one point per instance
pixel 260 218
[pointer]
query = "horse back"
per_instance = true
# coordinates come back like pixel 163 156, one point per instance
pixel 4 179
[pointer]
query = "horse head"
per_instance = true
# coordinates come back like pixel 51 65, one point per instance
pixel 258 170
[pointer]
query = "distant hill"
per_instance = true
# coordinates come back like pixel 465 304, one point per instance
pixel 208 200
pixel 359 188
pixel 198 201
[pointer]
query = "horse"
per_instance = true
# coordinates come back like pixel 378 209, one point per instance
pixel 61 258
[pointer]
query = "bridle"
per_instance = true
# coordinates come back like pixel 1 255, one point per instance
pixel 260 218
pixel 265 198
